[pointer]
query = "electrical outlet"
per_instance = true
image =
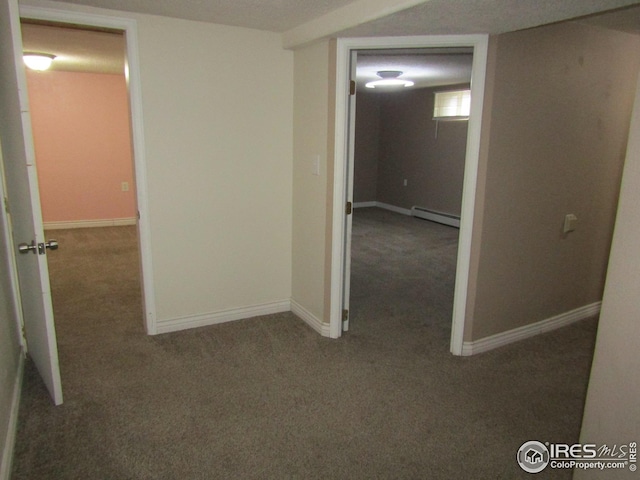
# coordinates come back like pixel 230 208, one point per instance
pixel 125 186
pixel 405 182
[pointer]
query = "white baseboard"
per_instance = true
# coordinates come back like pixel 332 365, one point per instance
pixel 364 204
pixel 113 222
pixel 438 217
pixel 310 319
pixel 386 206
pixel 510 336
pixel 203 320
pixel 12 426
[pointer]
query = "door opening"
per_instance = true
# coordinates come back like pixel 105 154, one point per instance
pixel 81 128
pixel 407 185
pixel 343 179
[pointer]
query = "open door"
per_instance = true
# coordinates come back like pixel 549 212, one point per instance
pixel 346 286
pixel 24 203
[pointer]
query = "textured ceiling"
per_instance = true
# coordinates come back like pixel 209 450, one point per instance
pixel 441 17
pixel 428 17
pixel 273 15
pixel 426 67
pixel 80 50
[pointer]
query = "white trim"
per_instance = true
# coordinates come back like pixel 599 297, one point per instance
pixel 114 222
pixel 531 330
pixel 344 48
pixel 385 206
pixel 214 318
pixel 310 319
pixel 12 425
pixel 393 208
pixel 64 14
pixel 434 216
pixel 364 204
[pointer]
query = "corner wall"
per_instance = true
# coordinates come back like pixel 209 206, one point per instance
pixel 611 411
pixel 310 203
pixel 559 124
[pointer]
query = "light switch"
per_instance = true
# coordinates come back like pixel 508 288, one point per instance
pixel 316 165
pixel 570 221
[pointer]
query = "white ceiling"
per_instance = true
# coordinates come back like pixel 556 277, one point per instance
pixel 81 50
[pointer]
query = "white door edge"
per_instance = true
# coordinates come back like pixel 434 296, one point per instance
pixel 341 175
pixel 130 27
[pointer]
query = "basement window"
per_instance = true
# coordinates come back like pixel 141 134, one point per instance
pixel 452 105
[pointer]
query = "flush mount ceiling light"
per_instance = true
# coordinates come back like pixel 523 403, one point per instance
pixel 38 61
pixel 389 79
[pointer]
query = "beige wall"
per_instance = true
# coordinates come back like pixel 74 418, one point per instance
pixel 311 124
pixel 396 140
pixel 562 97
pixel 409 149
pixel 217 106
pixel 612 412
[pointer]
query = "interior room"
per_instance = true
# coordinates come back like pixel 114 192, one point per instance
pixel 237 365
pixel 409 162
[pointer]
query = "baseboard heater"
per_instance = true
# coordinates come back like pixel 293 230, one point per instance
pixel 439 217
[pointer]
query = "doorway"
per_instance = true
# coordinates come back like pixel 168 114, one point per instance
pixel 407 186
pixel 80 117
pixel 138 185
pixel 343 177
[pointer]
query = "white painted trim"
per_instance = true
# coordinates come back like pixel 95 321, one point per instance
pixel 364 204
pixel 310 319
pixel 351 15
pixel 12 426
pixel 214 318
pixel 531 330
pixel 393 208
pixel 438 217
pixel 114 222
pixel 344 48
pixel 63 13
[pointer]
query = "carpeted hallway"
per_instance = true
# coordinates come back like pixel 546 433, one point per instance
pixel 268 398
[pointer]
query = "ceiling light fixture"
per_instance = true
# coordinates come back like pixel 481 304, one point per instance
pixel 38 61
pixel 389 79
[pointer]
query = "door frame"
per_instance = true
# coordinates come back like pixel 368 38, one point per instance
pixel 343 178
pixel 132 74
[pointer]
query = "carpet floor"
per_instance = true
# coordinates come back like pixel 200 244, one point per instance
pixel 268 398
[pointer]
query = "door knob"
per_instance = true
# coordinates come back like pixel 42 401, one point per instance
pixel 38 247
pixel 28 247
pixel 52 245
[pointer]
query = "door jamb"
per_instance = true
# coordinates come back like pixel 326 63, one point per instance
pixel 132 74
pixel 341 175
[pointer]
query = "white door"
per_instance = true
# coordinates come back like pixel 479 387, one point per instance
pixel 346 286
pixel 24 203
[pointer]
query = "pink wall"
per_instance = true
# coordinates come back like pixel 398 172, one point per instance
pixel 82 142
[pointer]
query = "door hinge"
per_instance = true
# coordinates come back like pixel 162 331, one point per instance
pixel 349 208
pixel 345 315
pixel 352 87
pixel 6 205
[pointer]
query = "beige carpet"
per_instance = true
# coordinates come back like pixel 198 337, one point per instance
pixel 268 398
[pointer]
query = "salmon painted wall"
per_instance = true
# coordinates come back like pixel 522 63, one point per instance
pixel 82 142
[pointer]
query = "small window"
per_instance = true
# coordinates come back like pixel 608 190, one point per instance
pixel 452 105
